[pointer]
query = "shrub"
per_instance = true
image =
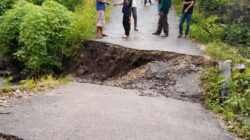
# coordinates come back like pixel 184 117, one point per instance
pixel 199 34
pixel 70 4
pixel 237 33
pixel 5 5
pixel 43 38
pixel 83 26
pixel 215 30
pixel 9 27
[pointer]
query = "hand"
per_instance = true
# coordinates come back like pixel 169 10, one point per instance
pixel 186 10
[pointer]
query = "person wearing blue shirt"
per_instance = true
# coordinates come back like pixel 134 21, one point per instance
pixel 100 7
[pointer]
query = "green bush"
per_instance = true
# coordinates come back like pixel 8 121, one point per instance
pixel 70 4
pixel 237 33
pixel 9 28
pixel 83 26
pixel 35 36
pixel 199 34
pixel 216 30
pixel 43 38
pixel 236 107
pixel 5 5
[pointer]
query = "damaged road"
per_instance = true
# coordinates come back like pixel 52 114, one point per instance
pixel 121 93
pixel 151 72
pixel 137 109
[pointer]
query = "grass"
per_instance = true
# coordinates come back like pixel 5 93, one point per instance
pixel 84 25
pixel 33 85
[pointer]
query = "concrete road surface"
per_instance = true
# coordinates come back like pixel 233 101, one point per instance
pixel 93 112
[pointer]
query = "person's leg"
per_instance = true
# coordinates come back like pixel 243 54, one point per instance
pixel 150 1
pixel 165 23
pixel 134 11
pixel 124 22
pixel 182 19
pixel 103 24
pixel 189 18
pixel 159 28
pixel 97 31
pixel 145 2
pixel 128 24
pixel 101 31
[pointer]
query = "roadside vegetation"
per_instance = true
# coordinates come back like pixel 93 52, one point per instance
pixel 38 36
pixel 224 28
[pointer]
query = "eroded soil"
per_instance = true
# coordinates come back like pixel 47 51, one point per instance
pixel 8 137
pixel 151 72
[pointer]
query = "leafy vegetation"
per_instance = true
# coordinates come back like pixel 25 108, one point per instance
pixel 46 47
pixel 5 5
pixel 235 109
pixel 36 35
pixel 223 26
pixel 70 4
pixel 225 21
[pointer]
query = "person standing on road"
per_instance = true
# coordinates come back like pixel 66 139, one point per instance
pixel 187 11
pixel 126 10
pixel 100 7
pixel 163 9
pixel 134 13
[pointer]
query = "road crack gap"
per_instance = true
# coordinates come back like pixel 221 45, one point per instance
pixel 151 72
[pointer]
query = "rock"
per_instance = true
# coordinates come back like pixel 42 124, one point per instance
pixel 240 67
pixel 225 68
pixel 81 72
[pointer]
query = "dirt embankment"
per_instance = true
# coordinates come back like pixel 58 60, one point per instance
pixel 8 137
pixel 152 72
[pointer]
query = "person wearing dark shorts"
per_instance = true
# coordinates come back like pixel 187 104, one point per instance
pixel 163 9
pixel 126 10
pixel 187 12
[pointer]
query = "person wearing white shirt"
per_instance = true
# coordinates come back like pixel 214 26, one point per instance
pixel 134 13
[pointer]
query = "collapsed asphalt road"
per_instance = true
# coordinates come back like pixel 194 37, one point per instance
pixel 167 73
pixel 136 110
pixel 132 105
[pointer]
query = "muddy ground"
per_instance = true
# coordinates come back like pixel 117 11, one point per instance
pixel 151 72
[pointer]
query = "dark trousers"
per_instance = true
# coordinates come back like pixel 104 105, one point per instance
pixel 126 23
pixel 145 1
pixel 187 17
pixel 163 23
pixel 134 12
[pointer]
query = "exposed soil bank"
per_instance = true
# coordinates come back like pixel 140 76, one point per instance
pixel 8 137
pixel 168 73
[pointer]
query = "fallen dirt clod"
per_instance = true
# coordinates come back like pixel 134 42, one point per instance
pixel 151 72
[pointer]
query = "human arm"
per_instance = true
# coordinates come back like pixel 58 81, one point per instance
pixel 186 2
pixel 120 3
pixel 104 1
pixel 189 6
